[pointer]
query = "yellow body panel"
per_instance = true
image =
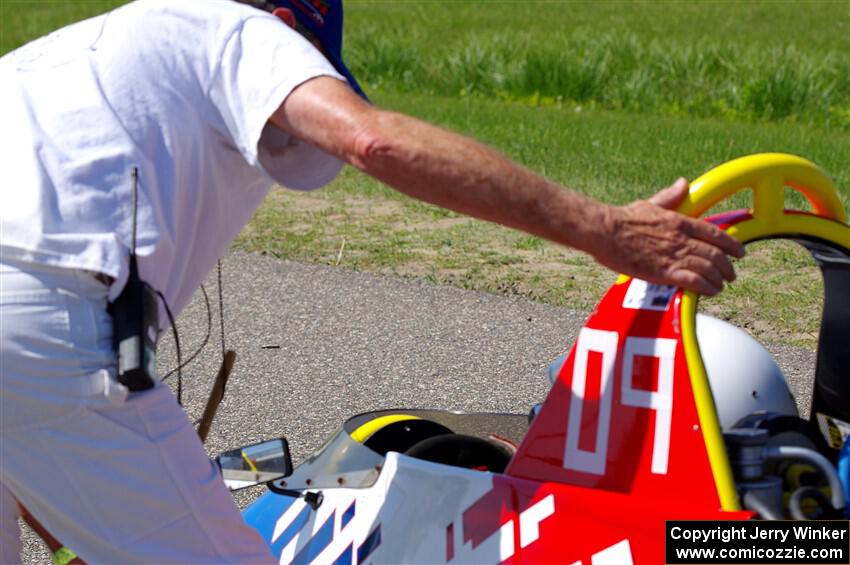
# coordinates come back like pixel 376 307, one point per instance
pixel 365 431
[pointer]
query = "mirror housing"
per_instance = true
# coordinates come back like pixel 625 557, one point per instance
pixel 255 464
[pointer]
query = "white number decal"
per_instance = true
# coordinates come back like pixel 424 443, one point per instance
pixel 529 520
pixel 529 527
pixel 618 554
pixel 661 400
pixel 603 342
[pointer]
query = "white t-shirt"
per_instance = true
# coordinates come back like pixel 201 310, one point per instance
pixel 181 90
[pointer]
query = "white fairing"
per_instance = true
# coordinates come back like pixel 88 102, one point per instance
pixel 424 501
pixel 743 376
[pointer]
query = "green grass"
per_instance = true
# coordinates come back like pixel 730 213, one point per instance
pixel 756 61
pixel 816 26
pixel 619 156
pixel 24 20
pixel 615 99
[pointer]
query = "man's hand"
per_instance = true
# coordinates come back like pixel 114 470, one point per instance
pixel 649 241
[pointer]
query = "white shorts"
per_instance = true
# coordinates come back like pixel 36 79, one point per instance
pixel 116 478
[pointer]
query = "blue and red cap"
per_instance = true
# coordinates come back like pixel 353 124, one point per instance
pixel 323 20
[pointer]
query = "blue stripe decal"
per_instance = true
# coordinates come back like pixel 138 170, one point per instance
pixel 368 546
pixel 346 556
pixel 291 531
pixel 264 513
pixel 317 544
pixel 348 515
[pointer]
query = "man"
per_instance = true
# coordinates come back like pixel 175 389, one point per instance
pixel 212 102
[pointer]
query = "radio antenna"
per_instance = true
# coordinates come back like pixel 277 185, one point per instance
pixel 135 319
pixel 135 211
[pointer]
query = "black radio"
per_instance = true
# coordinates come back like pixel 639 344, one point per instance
pixel 135 322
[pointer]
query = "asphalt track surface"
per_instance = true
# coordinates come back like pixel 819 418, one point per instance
pixel 317 344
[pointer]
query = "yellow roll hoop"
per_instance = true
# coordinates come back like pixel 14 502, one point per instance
pixel 768 175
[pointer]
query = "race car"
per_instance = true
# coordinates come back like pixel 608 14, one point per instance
pixel 655 413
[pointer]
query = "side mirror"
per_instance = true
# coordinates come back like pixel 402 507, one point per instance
pixel 255 464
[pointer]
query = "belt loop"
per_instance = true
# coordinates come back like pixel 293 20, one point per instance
pixel 103 278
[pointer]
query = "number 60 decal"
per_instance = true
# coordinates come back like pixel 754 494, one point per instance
pixel 660 401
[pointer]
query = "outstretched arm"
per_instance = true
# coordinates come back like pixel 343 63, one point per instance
pixel 642 239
